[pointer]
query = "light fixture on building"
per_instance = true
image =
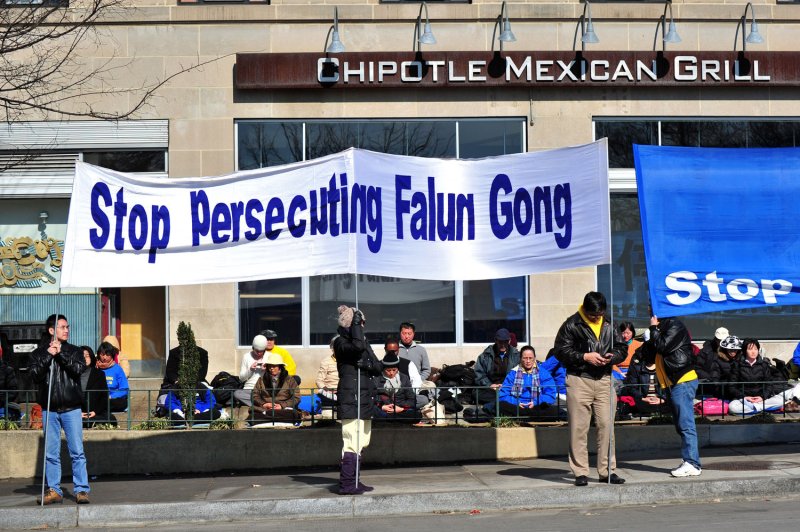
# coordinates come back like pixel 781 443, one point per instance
pixel 426 36
pixel 506 35
pixel 586 26
pixel 753 37
pixel 43 216
pixel 336 46
pixel 667 36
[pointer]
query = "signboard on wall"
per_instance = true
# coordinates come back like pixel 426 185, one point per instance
pixel 548 69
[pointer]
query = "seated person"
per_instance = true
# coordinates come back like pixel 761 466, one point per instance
pixel 754 388
pixel 120 359
pixel 8 392
pixel 409 369
pixel 174 363
pixel 528 390
pixel 251 369
pixel 723 366
pixel 627 332
pixel 328 378
pixel 395 398
pixel 205 405
pixel 641 383
pixel 275 396
pixel 706 362
pixel 115 377
pixel 95 392
pixel 272 347
pixel 559 373
pixel 492 366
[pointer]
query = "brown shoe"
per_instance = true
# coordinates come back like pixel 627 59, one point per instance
pixel 51 496
pixel 82 497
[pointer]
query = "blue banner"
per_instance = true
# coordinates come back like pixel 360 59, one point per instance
pixel 720 227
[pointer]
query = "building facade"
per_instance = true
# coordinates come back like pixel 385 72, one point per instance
pixel 267 92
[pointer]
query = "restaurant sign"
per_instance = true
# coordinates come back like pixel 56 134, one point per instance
pixel 515 69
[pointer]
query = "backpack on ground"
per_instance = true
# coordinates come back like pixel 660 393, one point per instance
pixel 223 386
pixel 457 375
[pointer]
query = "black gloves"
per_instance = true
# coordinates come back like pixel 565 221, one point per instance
pixel 358 318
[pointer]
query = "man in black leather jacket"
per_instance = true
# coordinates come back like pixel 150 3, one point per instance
pixel 670 346
pixel 57 358
pixel 587 346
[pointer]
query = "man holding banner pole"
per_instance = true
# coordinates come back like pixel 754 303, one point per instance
pixel 670 348
pixel 587 347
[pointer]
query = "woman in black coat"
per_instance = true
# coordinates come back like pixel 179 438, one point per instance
pixel 357 365
pixel 95 392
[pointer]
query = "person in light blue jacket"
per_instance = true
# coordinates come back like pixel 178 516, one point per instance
pixel 528 390
pixel 116 380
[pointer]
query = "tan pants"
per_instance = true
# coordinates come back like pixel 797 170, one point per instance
pixel 353 442
pixel 587 397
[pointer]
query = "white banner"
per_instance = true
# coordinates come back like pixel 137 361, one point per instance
pixel 353 212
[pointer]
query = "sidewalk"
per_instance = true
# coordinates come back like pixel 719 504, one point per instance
pixel 728 473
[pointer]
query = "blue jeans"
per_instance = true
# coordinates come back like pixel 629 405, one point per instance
pixel 683 415
pixel 72 424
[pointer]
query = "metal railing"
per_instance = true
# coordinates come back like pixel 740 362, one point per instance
pixel 474 404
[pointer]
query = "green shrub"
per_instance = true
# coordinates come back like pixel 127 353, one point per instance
pixel 153 424
pixel 222 424
pixel 7 424
pixel 505 422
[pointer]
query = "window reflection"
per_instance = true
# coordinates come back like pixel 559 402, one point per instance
pixel 128 161
pixel 270 304
pixel 262 144
pixel 386 302
pixel 621 138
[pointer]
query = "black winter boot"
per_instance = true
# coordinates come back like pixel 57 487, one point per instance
pixel 347 475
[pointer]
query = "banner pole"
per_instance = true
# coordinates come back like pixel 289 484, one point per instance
pixel 358 399
pixel 612 406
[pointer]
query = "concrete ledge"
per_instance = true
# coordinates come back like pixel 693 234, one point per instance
pixel 195 451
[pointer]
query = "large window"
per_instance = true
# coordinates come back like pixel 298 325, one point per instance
pixel 630 290
pixel 443 311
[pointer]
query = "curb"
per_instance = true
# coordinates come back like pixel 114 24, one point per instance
pixel 182 513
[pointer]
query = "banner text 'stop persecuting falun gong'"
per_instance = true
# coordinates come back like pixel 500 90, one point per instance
pixel 352 212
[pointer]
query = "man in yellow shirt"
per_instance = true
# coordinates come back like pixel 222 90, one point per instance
pixel 288 361
pixel 670 347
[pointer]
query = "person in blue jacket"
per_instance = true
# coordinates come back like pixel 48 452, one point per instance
pixel 559 374
pixel 205 406
pixel 116 380
pixel 528 390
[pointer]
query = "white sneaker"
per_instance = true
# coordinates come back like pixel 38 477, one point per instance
pixel 686 470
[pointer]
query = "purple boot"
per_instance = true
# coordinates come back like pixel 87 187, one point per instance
pixel 347 475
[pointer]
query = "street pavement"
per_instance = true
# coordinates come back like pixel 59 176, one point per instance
pixel 729 474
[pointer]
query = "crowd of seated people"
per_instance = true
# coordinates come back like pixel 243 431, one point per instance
pixel 513 383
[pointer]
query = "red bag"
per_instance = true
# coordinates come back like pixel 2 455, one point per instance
pixel 36 416
pixel 711 407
